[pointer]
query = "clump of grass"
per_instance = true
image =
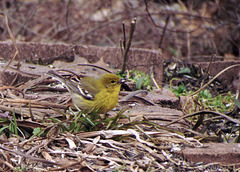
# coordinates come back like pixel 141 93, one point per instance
pixel 77 121
pixel 10 126
pixel 220 103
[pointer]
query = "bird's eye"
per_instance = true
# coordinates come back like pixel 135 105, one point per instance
pixel 113 81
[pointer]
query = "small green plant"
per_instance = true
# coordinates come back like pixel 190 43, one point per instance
pixel 205 94
pixel 141 80
pixel 20 169
pixel 173 51
pixel 219 103
pixel 38 131
pixel 184 70
pixel 180 90
pixel 3 128
pixel 10 125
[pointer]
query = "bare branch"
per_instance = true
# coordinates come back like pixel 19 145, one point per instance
pixel 125 55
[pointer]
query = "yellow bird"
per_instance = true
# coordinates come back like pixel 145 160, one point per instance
pixel 93 94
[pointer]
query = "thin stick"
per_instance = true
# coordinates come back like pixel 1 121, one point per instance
pixel 170 13
pixel 29 156
pixel 124 36
pixel 67 16
pixel 92 65
pixel 209 82
pixel 152 77
pixel 163 32
pixel 188 46
pixel 125 55
pixel 34 103
pixel 203 113
pixel 13 41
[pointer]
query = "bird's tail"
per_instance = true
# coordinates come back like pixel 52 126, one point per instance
pixel 69 84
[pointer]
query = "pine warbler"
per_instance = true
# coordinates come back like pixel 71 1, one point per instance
pixel 92 94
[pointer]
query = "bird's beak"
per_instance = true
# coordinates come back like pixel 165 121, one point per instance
pixel 121 81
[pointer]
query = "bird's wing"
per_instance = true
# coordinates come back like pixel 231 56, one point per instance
pixel 85 86
pixel 89 86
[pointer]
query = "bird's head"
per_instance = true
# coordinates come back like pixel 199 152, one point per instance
pixel 111 81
